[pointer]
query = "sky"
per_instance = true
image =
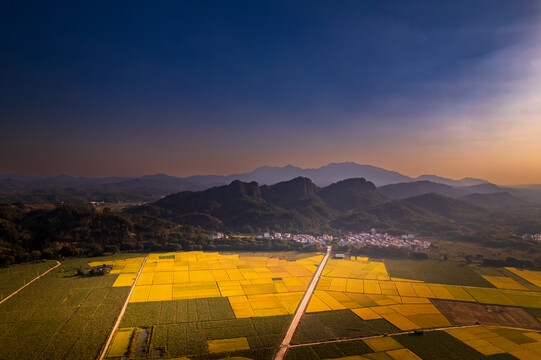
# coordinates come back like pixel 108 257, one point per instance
pixel 129 88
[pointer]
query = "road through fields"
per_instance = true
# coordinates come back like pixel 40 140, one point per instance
pixel 302 307
pixel 30 282
pixel 115 328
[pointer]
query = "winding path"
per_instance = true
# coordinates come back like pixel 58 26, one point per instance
pixel 302 307
pixel 30 282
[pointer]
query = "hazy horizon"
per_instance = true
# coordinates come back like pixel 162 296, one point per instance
pixel 129 89
pixel 264 165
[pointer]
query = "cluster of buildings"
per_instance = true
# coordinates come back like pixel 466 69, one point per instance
pixel 536 237
pixel 218 235
pixel 373 238
pixel 385 240
pixel 276 236
pixel 309 239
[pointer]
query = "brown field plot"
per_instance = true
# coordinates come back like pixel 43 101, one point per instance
pixel 462 313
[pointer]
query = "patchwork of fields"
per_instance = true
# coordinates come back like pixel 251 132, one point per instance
pixel 222 297
pixel 371 293
pixel 211 306
pixel 255 286
pixel 355 296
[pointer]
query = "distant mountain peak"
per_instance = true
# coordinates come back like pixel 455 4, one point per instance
pixel 467 181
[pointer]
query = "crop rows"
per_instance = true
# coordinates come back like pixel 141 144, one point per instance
pixel 61 316
pixel 15 276
pixel 196 326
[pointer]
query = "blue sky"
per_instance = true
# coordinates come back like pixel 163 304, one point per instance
pixel 131 88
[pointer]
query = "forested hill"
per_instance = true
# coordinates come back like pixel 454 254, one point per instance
pixel 29 234
pixel 183 220
pixel 294 205
pixel 351 205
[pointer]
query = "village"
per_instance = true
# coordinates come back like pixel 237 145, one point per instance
pixel 373 239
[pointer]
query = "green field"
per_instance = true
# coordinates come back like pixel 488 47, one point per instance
pixel 183 327
pixel 436 345
pixel 436 272
pixel 15 276
pixel 60 316
pixel 339 324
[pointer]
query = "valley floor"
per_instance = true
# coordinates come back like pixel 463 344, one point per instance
pixel 212 306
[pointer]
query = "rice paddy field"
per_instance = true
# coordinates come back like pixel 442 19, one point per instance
pixel 202 305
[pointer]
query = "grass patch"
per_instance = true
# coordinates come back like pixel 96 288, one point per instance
pixel 535 312
pixel 437 272
pixel 15 276
pixel 438 345
pixel 340 324
pixel 302 353
pixel 355 347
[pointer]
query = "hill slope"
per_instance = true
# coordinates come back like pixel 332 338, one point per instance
pixel 494 200
pixel 416 188
pixel 428 214
pixel 351 194
pixel 240 206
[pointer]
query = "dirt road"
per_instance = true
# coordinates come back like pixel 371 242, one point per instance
pixel 115 328
pixel 31 281
pixel 302 307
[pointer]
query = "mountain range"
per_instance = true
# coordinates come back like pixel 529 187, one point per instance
pixel 355 205
pixel 64 188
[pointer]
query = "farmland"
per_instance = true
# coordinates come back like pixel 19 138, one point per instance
pixel 60 316
pixel 200 303
pixel 361 298
pixel 213 305
pixel 15 276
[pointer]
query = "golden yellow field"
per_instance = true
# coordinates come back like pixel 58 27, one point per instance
pixel 223 345
pixel 533 277
pixel 255 286
pixel 365 287
pixel 262 286
pixel 490 340
pixel 121 342
pixel 503 282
